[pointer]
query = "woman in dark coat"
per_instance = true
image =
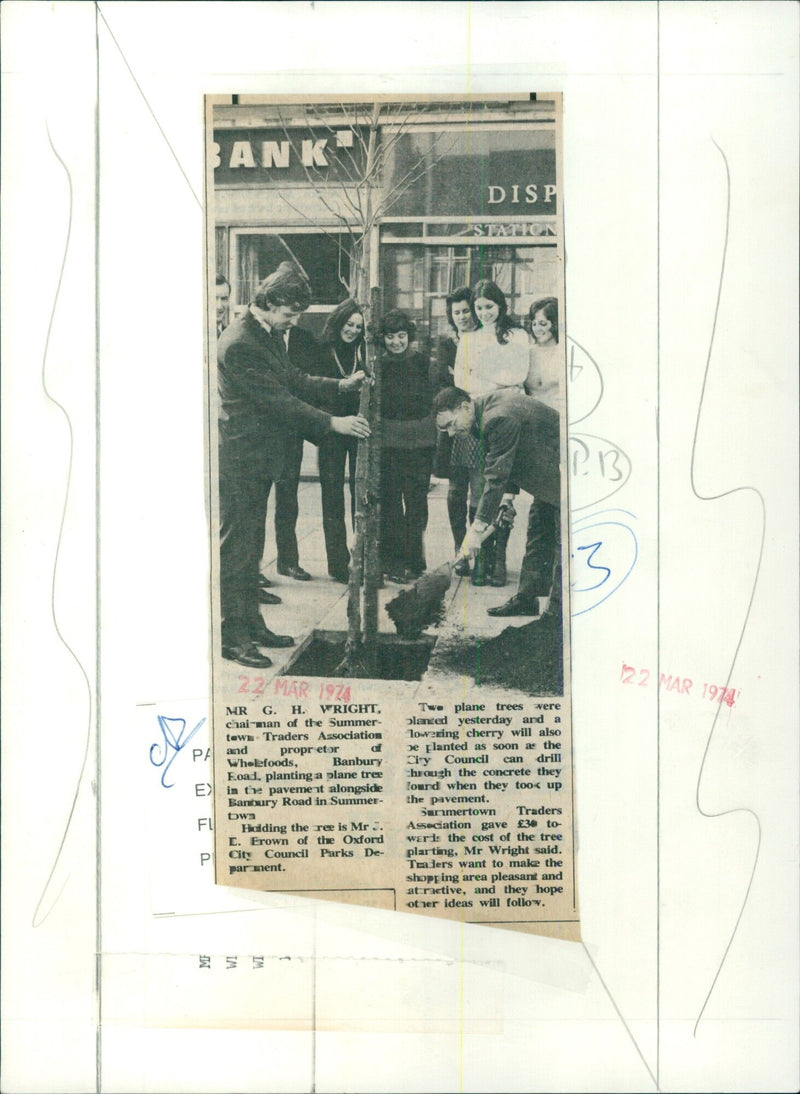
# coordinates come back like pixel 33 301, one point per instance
pixel 408 444
pixel 342 355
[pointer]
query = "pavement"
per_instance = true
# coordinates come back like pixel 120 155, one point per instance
pixel 321 604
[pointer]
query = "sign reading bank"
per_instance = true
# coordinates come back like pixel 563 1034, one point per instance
pixel 510 170
pixel 262 157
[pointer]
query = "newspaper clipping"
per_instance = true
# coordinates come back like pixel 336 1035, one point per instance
pixel 388 506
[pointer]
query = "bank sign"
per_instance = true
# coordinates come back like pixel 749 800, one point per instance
pixel 469 171
pixel 276 157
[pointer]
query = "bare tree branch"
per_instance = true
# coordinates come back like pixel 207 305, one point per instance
pixel 314 183
pixel 382 153
pixel 354 176
pixel 356 127
pixel 351 181
pixel 351 176
pixel 294 258
pixel 408 180
pixel 335 238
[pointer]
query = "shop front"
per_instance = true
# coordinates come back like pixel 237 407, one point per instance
pixel 419 271
pixel 462 192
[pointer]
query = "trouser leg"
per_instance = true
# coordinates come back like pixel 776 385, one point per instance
pixel 332 459
pixel 243 505
pixel 417 477
pixel 286 505
pixel 554 607
pixel 351 444
pixel 442 460
pixel 263 503
pixel 392 517
pixel 457 503
pixel 499 573
pixel 541 550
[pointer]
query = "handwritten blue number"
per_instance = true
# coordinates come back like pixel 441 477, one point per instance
pixel 594 548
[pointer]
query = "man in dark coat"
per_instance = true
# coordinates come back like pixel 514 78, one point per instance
pixel 304 351
pixel 223 299
pixel 520 440
pixel 264 406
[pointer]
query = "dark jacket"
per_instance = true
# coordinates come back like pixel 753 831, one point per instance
pixel 304 351
pixel 521 444
pixel 264 400
pixel 326 365
pixel 407 419
pixel 442 372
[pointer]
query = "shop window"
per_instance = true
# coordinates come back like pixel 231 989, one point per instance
pixel 221 247
pixel 419 277
pixel 322 257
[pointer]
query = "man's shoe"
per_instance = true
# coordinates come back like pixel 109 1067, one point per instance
pixel 247 654
pixel 265 582
pixel 265 597
pixel 297 572
pixel 342 576
pixel 266 638
pixel 517 605
pixel 462 567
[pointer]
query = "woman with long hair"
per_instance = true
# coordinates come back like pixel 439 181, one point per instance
pixel 546 358
pixel 494 355
pixel 342 355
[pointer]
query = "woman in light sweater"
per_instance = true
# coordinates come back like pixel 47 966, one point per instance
pixel 496 353
pixel 493 356
pixel 546 359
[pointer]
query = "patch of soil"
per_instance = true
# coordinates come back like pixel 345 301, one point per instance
pixel 527 658
pixel 397 659
pixel 422 606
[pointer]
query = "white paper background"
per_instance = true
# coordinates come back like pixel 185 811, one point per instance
pixel 353 999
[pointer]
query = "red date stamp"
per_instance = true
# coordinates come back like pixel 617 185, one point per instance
pixel 291 687
pixel 681 685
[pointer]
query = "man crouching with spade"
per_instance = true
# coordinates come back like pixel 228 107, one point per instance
pixel 520 442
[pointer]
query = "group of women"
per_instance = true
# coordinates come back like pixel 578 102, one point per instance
pixel 487 349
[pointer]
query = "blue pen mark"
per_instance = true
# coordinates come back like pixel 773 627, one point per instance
pixel 605 551
pixel 594 548
pixel 174 738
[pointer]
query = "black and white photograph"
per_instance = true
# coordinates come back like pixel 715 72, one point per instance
pixel 387 426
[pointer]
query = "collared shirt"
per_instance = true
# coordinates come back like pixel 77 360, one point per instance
pixel 261 322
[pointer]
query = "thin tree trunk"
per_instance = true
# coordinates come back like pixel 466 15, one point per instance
pixel 352 663
pixel 372 562
pixel 364 570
